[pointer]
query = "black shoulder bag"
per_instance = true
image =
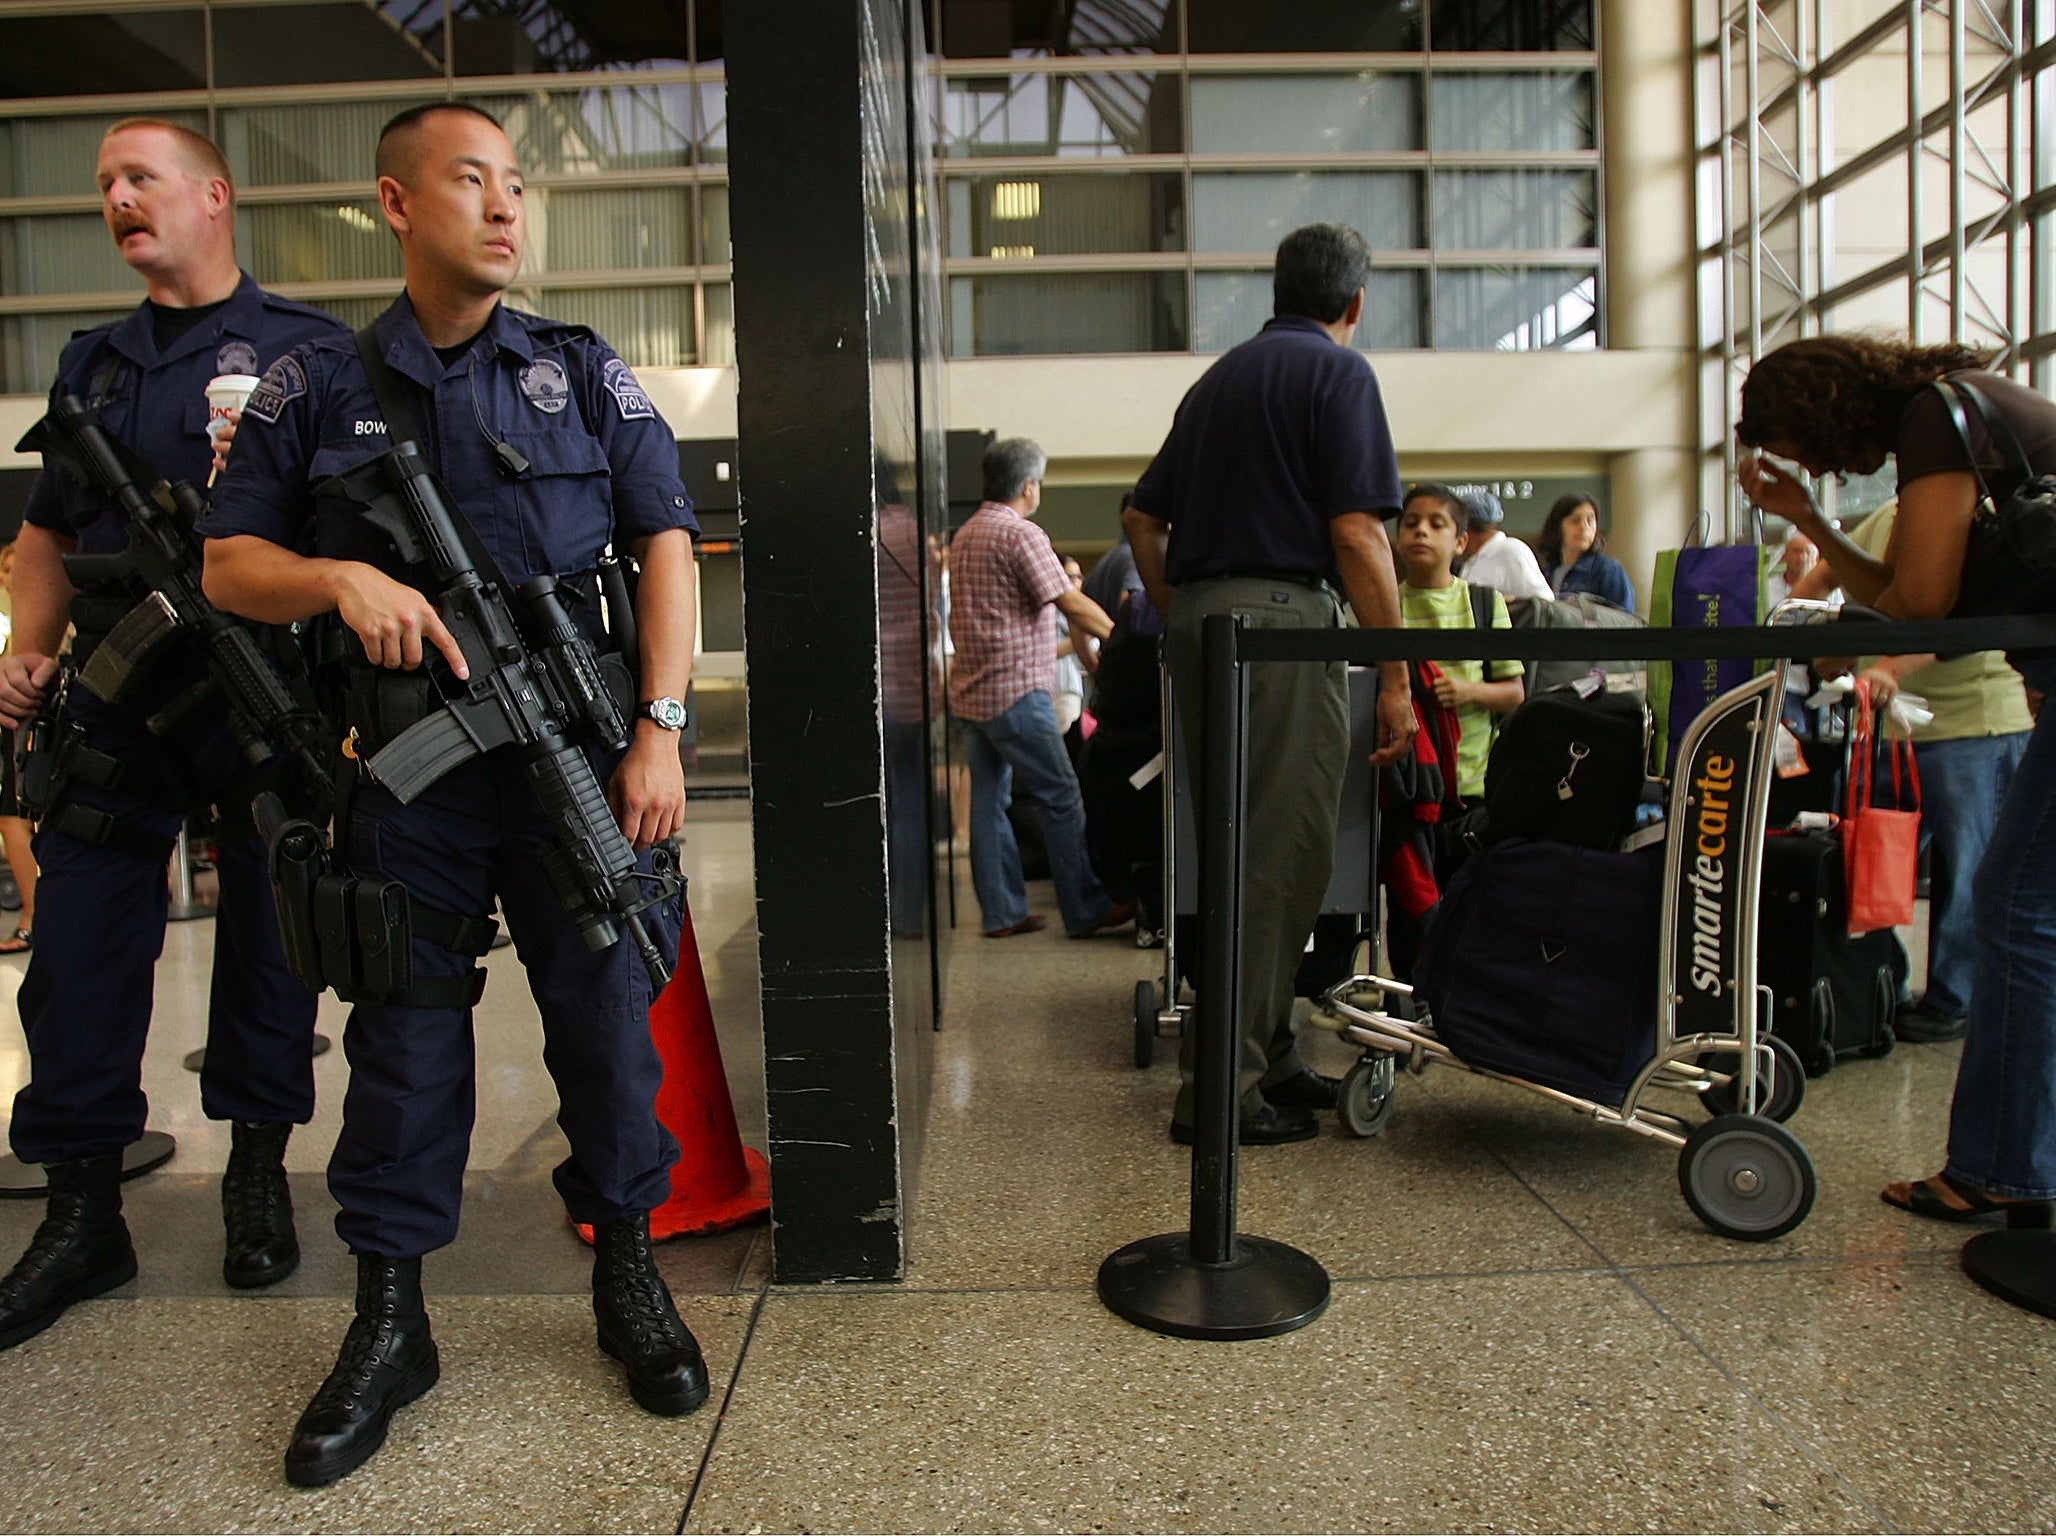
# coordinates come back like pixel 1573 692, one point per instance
pixel 2009 563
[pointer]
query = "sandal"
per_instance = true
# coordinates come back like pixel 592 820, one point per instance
pixel 1941 1198
pixel 20 943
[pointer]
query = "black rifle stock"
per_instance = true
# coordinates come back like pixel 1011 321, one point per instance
pixel 161 568
pixel 535 685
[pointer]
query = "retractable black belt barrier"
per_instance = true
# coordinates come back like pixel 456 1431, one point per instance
pixel 1213 1282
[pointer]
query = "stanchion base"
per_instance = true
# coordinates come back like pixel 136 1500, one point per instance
pixel 1266 1289
pixel 2017 1265
pixel 195 1060
pixel 27 1181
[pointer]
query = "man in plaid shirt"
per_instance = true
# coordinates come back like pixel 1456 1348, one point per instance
pixel 1004 580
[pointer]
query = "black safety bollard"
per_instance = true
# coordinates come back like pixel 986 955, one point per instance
pixel 1211 1282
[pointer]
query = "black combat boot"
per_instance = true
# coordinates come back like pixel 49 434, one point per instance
pixel 388 1360
pixel 639 1323
pixel 81 1249
pixel 257 1208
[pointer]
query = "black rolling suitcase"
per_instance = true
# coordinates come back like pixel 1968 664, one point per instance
pixel 1831 995
pixel 1569 766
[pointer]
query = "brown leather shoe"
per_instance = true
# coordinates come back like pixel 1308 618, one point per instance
pixel 1029 924
pixel 1119 915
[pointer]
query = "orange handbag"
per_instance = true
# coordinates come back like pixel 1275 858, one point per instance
pixel 1880 844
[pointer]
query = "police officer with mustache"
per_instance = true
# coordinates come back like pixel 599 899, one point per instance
pixel 124 790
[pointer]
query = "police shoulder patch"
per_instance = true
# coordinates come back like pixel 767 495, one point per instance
pixel 627 391
pixel 283 382
pixel 546 386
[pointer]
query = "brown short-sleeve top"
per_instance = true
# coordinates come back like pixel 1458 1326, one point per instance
pixel 1927 442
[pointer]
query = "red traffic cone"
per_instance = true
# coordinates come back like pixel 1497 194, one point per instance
pixel 717 1183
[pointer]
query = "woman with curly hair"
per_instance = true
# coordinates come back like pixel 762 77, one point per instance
pixel 1574 557
pixel 1835 404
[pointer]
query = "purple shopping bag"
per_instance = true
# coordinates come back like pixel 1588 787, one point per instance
pixel 1703 586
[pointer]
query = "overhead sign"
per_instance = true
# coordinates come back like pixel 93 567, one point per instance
pixel 1528 498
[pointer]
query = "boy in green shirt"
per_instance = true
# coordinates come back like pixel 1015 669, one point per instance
pixel 1432 596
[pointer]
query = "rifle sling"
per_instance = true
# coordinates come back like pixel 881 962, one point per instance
pixel 402 427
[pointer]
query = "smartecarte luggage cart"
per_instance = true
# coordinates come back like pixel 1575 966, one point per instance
pixel 1742 1172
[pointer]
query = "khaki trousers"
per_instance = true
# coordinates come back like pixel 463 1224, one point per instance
pixel 1298 748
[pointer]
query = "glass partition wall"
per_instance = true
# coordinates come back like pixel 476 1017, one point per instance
pixel 1871 165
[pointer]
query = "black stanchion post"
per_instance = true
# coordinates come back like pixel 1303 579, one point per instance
pixel 1209 1282
pixel 1216 1087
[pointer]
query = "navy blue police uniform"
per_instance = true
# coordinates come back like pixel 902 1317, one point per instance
pixel 1280 436
pixel 102 904
pixel 601 469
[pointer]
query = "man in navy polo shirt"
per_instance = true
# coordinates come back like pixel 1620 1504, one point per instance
pixel 1269 493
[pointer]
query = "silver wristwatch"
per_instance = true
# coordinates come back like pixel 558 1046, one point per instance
pixel 670 714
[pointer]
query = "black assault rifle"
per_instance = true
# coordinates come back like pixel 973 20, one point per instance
pixel 536 685
pixel 160 571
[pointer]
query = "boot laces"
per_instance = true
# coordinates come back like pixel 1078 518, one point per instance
pixel 255 1198
pixel 57 1231
pixel 640 1298
pixel 254 1194
pixel 364 1350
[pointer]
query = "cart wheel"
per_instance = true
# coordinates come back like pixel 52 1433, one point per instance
pixel 1786 1094
pixel 1822 1002
pixel 1145 1022
pixel 1887 1005
pixel 1746 1177
pixel 1365 1101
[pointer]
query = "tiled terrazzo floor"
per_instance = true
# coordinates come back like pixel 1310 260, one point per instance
pixel 1530 1331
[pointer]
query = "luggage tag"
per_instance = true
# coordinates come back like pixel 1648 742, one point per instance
pixel 1788 757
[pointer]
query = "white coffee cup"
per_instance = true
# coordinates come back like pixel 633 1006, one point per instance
pixel 226 392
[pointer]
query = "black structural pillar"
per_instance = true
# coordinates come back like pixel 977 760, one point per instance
pixel 822 366
pixel 1211 1282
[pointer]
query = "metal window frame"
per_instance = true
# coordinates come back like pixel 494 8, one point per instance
pixel 212 102
pixel 1183 67
pixel 700 174
pixel 1745 43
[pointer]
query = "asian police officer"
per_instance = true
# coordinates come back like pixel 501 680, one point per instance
pixel 552 452
pixel 124 791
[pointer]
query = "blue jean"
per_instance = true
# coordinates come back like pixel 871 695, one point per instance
pixel 2002 1126
pixel 1022 745
pixel 1961 786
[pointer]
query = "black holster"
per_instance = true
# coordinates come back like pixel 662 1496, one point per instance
pixel 52 755
pixel 38 752
pixel 354 934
